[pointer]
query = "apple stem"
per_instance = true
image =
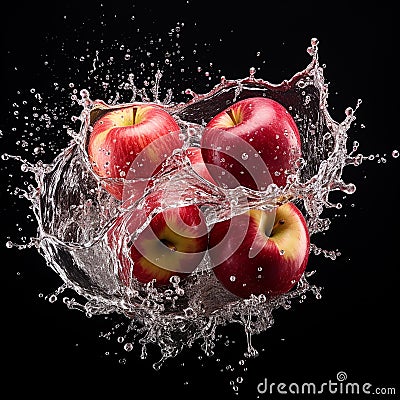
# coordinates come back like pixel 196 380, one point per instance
pixel 232 116
pixel 134 111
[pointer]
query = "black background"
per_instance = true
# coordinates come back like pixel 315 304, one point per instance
pixel 48 349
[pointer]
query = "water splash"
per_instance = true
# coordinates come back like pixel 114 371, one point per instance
pixel 74 213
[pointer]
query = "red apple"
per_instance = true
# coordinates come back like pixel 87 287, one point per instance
pixel 270 256
pixel 255 142
pixel 131 142
pixel 174 243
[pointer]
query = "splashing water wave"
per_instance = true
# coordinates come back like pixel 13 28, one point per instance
pixel 74 214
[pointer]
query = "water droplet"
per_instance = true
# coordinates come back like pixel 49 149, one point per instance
pixel 84 93
pixel 262 298
pixel 314 42
pixel 128 347
pixel 189 312
pixel 395 153
pixel 245 156
pixel 232 278
pixel 24 167
pixel 349 111
pixel 175 279
pixel 53 298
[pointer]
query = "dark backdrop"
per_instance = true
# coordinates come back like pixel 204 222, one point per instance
pixel 49 349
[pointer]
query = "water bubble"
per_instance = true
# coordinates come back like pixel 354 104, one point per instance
pixel 262 298
pixel 395 153
pixel 189 312
pixel 349 111
pixel 9 244
pixel 175 279
pixel 5 156
pixel 128 347
pixel 232 278
pixel 84 93
pixel 350 188
pixel 53 298
pixel 314 42
pixel 245 156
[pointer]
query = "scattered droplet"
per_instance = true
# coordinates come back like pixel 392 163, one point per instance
pixel 128 347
